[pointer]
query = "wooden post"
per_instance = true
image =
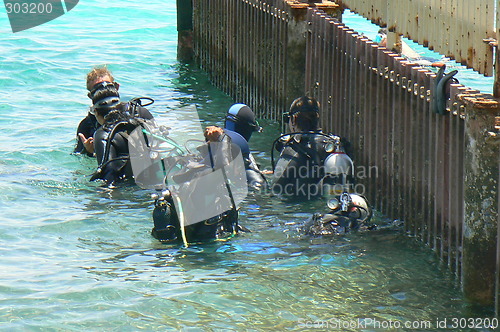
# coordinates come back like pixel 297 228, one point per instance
pixel 496 73
pixel 480 198
pixel 185 30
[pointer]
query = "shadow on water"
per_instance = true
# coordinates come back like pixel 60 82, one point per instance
pixel 188 85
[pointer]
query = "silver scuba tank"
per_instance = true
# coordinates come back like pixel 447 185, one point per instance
pixel 339 171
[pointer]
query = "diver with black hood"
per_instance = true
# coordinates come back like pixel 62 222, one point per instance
pixel 239 125
pixel 97 79
pixel 117 120
pixel 314 164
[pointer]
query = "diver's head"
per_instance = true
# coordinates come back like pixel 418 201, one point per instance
pixel 241 119
pixel 304 114
pixel 102 88
pixel 97 75
pixel 105 98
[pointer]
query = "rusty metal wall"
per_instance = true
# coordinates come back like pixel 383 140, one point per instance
pixel 412 158
pixel 409 159
pixel 242 46
pixel 455 28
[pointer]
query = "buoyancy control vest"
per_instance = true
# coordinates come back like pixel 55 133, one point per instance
pixel 255 178
pixel 308 161
pixel 111 145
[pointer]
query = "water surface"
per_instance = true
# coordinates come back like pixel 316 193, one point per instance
pixel 76 256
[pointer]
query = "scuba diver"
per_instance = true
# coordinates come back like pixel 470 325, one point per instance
pixel 239 125
pixel 201 192
pixel 197 190
pixel 313 164
pixel 306 154
pixel 98 78
pixel 110 140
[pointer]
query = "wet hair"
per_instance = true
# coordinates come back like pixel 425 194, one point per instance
pixel 305 113
pixel 95 73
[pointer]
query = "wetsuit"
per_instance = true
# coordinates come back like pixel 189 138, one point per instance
pixel 89 125
pixel 111 145
pixel 253 173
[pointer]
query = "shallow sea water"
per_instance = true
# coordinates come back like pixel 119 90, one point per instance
pixel 75 256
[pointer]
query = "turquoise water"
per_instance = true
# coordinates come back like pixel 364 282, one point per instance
pixel 75 256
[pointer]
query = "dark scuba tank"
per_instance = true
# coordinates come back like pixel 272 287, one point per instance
pixel 166 224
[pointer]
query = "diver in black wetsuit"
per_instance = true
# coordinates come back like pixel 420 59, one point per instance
pixel 98 78
pixel 223 146
pixel 117 120
pixel 308 156
pixel 239 125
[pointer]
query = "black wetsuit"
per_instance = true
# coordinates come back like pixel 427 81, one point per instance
pixel 255 178
pixel 89 125
pixel 111 145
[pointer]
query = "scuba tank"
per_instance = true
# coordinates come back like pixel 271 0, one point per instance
pixel 339 170
pixel 347 210
pixel 311 160
pixel 112 138
pixel 183 181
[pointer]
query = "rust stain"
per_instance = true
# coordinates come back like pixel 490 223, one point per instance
pixel 471 52
pixel 323 5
